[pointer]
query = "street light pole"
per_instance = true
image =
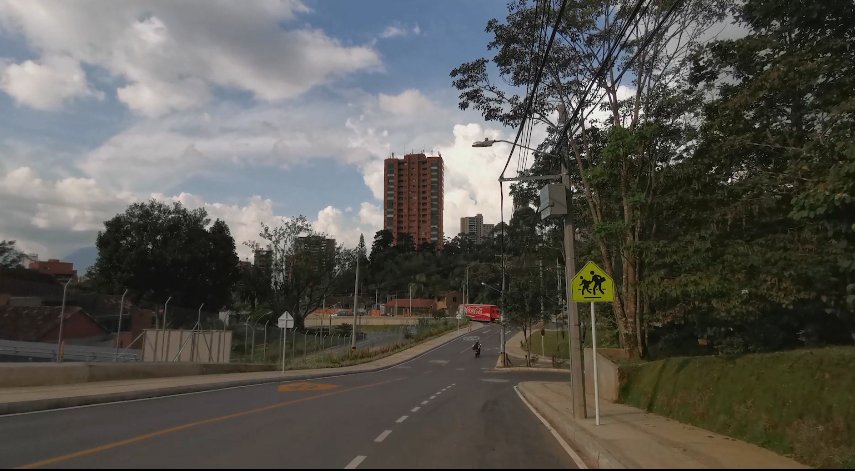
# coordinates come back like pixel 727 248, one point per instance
pixel 119 329
pixel 61 319
pixel 577 377
pixel 166 339
pixel 501 319
pixel 355 293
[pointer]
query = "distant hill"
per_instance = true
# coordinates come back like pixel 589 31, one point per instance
pixel 82 258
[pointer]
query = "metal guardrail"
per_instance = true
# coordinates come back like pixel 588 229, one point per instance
pixel 70 352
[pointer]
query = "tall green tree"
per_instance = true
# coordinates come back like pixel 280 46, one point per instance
pixel 614 160
pixel 10 257
pixel 299 283
pixel 758 252
pixel 156 250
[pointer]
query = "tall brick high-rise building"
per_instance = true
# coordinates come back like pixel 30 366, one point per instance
pixel 413 198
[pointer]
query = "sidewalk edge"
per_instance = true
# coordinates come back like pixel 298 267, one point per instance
pixel 592 451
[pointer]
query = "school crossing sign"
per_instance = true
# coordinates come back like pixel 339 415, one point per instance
pixel 592 285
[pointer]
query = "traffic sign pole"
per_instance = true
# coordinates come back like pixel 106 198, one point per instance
pixel 284 339
pixel 596 378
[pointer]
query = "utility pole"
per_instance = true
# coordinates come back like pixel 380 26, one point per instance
pixel 577 376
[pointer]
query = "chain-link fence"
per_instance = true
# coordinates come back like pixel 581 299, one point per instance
pixel 325 346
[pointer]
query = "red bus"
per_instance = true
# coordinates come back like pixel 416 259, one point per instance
pixel 481 312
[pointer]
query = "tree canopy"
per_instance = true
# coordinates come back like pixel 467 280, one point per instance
pixel 157 250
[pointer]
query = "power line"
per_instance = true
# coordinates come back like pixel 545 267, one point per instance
pixel 644 45
pixel 573 122
pixel 604 66
pixel 530 98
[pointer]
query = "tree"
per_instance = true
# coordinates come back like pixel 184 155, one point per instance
pixel 758 253
pixel 156 251
pixel 382 244
pixel 299 283
pixel 9 256
pixel 405 243
pixel 615 160
pixel 528 298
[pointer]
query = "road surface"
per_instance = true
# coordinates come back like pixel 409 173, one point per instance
pixel 444 409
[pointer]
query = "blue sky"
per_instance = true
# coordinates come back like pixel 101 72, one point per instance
pixel 255 110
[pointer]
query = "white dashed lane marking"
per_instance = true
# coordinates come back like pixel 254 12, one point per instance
pixel 415 409
pixel 355 462
pixel 382 436
pixel 401 419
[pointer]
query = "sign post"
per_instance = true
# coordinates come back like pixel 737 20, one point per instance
pixel 592 284
pixel 285 322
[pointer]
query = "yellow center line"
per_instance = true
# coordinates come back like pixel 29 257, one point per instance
pixel 186 426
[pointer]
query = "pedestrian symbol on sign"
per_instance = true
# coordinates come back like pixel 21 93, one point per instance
pixel 592 284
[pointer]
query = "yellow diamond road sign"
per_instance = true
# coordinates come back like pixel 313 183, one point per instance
pixel 592 285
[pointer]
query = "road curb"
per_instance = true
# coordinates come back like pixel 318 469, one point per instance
pixel 35 405
pixel 590 448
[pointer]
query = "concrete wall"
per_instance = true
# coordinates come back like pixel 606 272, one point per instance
pixel 46 374
pixel 209 346
pixel 607 371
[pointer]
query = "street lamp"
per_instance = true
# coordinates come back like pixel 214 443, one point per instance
pixel 466 291
pixel 119 329
pixel 355 294
pixel 167 339
pixel 411 298
pixel 501 318
pixel 61 319
pixel 578 382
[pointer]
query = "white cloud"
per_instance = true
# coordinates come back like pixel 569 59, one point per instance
pixel 393 31
pixel 408 103
pixel 154 157
pixel 398 30
pixel 171 54
pixel 46 84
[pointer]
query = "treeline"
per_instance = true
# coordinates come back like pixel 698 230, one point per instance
pixel 717 181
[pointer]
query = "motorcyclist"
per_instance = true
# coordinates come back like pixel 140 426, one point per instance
pixel 477 348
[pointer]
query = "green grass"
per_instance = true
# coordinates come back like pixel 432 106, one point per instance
pixel 554 343
pixel 797 403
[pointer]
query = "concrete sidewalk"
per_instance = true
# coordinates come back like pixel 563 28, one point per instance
pixel 35 398
pixel 628 437
pixel 632 438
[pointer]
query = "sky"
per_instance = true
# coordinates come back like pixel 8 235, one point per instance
pixel 254 110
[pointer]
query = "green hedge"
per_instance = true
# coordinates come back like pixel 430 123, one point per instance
pixel 797 403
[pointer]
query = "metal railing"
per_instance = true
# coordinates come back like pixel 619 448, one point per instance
pixel 47 351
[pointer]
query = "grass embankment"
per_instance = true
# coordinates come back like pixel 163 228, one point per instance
pixel 553 344
pixel 797 403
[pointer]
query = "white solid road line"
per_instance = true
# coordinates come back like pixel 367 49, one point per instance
pixel 401 419
pixel 382 436
pixel 415 409
pixel 573 455
pixel 355 462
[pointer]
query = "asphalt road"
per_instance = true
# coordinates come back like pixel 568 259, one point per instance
pixel 444 409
